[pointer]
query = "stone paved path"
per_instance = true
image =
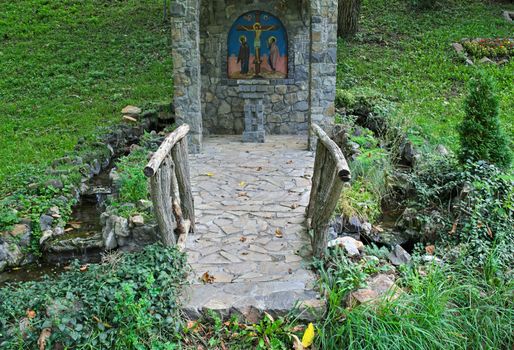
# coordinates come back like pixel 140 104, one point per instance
pixel 250 236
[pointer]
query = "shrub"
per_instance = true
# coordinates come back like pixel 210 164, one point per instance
pixel 481 136
pixel 130 303
pixel 423 4
pixel 473 207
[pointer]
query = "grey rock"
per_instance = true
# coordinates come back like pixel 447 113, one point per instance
pixel 399 256
pixel 144 205
pixel 458 47
pixel 47 234
pixel 132 111
pixel 350 245
pixel 10 254
pixel 137 220
pixel 3 265
pixel 442 150
pixel 45 222
pixel 55 183
pixel 486 60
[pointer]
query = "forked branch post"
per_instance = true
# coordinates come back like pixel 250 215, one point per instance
pixel 170 188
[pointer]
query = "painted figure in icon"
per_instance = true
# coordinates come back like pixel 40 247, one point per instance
pixel 258 29
pixel 244 55
pixel 274 53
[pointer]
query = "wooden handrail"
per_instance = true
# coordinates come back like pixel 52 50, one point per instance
pixel 170 188
pixel 165 148
pixel 330 172
pixel 343 170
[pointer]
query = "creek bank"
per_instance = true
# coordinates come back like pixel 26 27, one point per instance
pixel 77 187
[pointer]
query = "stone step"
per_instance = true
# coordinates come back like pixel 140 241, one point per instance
pixel 249 300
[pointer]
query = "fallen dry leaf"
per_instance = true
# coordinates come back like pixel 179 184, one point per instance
pixel 378 228
pixel 298 328
pixel 259 168
pixel 69 229
pixel 294 205
pixel 31 314
pixel 489 232
pixel 207 278
pixel 207 174
pixel 297 344
pixel 290 271
pixel 430 249
pixel 84 268
pixel 278 233
pixel 454 227
pixel 45 334
pixel 242 194
pixel 242 239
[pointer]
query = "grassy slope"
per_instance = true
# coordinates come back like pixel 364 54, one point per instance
pixel 67 67
pixel 406 55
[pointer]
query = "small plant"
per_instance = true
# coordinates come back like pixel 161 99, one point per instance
pixel 423 4
pixel 492 48
pixel 481 136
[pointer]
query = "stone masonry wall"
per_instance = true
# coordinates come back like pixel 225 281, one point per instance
pixel 286 101
pixel 186 68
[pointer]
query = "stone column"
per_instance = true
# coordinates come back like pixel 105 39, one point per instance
pixel 323 62
pixel 185 29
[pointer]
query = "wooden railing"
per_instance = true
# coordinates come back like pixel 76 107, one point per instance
pixel 330 172
pixel 170 188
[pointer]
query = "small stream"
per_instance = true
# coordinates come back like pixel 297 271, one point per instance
pixel 84 226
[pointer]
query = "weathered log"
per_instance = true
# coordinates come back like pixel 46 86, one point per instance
pixel 180 158
pixel 343 170
pixel 164 149
pixel 160 188
pixel 175 197
pixel 316 178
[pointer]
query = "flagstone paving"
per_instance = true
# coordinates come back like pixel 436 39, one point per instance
pixel 250 251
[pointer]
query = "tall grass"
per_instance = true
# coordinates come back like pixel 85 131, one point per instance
pixel 440 308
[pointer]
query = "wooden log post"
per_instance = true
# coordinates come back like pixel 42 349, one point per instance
pixel 170 188
pixel 330 172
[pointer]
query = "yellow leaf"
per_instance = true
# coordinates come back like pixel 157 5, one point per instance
pixel 278 233
pixel 308 336
pixel 210 174
pixel 242 184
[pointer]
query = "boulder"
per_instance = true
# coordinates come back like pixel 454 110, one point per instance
pixel 131 111
pixel 399 256
pixel 377 287
pixel 137 220
pixel 350 245
pixel 55 183
pixel 10 254
pixel 45 222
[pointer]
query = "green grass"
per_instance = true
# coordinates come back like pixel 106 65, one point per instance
pixel 406 56
pixel 446 307
pixel 68 67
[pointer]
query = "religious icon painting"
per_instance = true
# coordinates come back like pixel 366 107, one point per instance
pixel 257 47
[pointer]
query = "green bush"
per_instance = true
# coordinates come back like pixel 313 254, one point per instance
pixel 128 303
pixel 423 4
pixel 481 136
pixel 474 207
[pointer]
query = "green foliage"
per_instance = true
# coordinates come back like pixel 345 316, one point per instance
pixel 269 333
pixel 127 304
pixel 133 182
pixel 440 308
pixel 90 63
pixel 481 136
pixel 475 206
pixel 423 4
pixel 491 48
pixel 370 177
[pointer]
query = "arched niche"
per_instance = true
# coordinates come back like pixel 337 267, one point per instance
pixel 257 47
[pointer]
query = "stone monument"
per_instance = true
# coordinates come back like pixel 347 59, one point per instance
pixel 253 67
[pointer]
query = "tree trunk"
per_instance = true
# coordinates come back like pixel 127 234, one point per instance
pixel 348 17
